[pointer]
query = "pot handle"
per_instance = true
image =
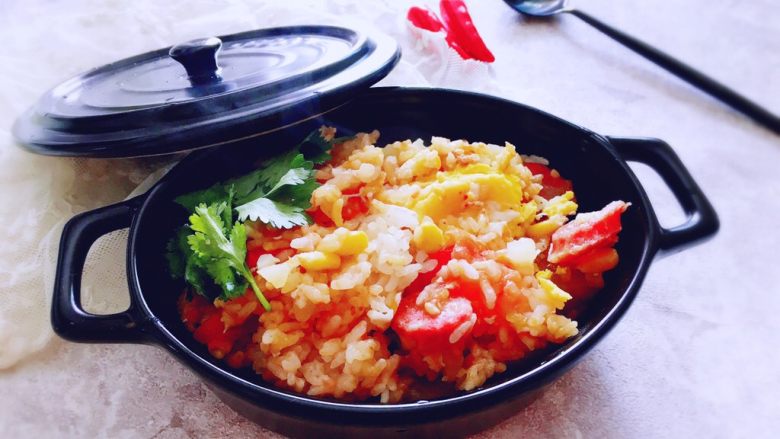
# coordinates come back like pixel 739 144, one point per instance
pixel 68 318
pixel 702 221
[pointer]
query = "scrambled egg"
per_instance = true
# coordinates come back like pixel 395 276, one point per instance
pixel 454 192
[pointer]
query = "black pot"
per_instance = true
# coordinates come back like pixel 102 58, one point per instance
pixel 596 165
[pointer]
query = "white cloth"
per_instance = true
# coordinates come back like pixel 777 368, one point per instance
pixel 689 358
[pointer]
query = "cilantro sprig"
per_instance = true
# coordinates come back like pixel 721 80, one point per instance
pixel 279 192
pixel 224 254
pixel 209 253
pixel 210 256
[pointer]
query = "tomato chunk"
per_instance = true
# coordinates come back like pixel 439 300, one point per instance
pixel 423 279
pixel 212 333
pixel 237 360
pixel 421 330
pixel 320 218
pixel 354 206
pixel 416 327
pixel 192 311
pixel 472 291
pixel 589 231
pixel 552 185
pixel 252 255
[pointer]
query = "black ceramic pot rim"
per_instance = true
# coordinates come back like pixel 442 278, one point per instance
pixel 144 326
pixel 427 410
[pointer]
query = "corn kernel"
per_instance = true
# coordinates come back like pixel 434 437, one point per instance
pixel 352 243
pixel 428 237
pixel 344 242
pixel 319 261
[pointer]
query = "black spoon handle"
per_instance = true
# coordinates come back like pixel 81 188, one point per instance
pixel 687 73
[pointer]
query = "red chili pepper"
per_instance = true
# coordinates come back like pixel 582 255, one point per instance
pixel 461 29
pixel 456 47
pixel 424 18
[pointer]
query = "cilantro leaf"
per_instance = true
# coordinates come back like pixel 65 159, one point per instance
pixel 274 169
pixel 315 148
pixel 176 253
pixel 284 204
pixel 232 285
pixel 214 194
pixel 292 177
pixel 285 185
pixel 223 256
pixel 299 195
pixel 275 214
pixel 196 275
pixel 183 263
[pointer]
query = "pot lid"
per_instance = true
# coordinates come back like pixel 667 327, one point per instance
pixel 206 92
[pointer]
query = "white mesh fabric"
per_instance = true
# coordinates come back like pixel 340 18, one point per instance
pixel 39 194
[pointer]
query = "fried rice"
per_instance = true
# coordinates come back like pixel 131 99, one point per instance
pixel 424 263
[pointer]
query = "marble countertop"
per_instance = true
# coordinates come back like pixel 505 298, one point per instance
pixel 695 355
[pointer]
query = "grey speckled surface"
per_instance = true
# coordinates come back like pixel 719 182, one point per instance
pixel 695 356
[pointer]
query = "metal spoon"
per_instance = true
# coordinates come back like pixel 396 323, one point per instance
pixel 546 8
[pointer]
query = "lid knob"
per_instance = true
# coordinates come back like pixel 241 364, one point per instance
pixel 199 58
